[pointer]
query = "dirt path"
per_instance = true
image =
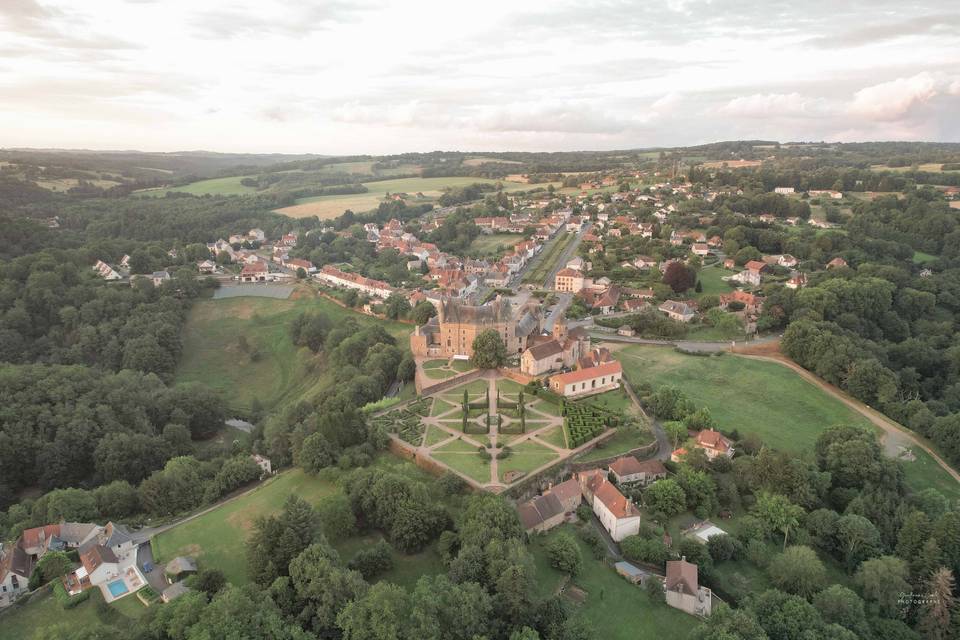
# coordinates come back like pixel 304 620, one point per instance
pixel 894 436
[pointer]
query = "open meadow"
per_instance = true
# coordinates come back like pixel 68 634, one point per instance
pixel 765 399
pixel 242 347
pixel 326 207
pixel 214 186
pixel 217 539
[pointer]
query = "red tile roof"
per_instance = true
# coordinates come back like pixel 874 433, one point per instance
pixel 615 501
pixel 581 375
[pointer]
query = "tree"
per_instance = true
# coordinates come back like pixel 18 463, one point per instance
pixel 208 580
pixel 937 612
pixel 665 497
pixel 52 565
pixel 489 351
pixel 676 432
pixel 337 520
pixel 372 561
pixel 729 624
pixel 778 512
pixel 840 605
pixel 277 540
pixel 422 312
pixel 798 570
pixel 678 276
pixel 324 586
pixel 647 550
pixel 882 581
pixel 129 456
pixel 381 614
pixel 564 553
pixel 396 306
pixel 857 537
pixel 444 610
pixel 317 452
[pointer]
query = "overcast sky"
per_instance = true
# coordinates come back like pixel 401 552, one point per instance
pixel 370 76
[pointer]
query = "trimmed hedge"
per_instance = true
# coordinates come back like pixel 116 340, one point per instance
pixel 583 422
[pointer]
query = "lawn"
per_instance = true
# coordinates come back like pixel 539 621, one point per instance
pixel 215 187
pixel 493 245
pixel 469 463
pixel 625 439
pixel 766 399
pixel 280 372
pixel 407 569
pixel 43 611
pixel 217 538
pixel 327 207
pixel 762 398
pixel 554 436
pixel 442 406
pixel 526 457
pixel 616 400
pixel 614 608
pixel 435 435
pixel 711 280
pixel 919 257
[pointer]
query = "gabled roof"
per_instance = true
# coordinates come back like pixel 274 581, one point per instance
pixel 538 510
pixel 712 440
pixel 755 265
pixel 682 577
pixel 566 490
pixel 545 350
pixel 626 466
pixel 615 501
pixel 580 375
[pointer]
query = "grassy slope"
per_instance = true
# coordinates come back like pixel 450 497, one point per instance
pixel 217 538
pixel 43 611
pixel 614 608
pixel 211 353
pixel 215 186
pixel 764 398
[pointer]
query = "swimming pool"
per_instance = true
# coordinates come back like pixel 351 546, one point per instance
pixel 117 588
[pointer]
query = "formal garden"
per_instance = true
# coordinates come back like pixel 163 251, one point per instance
pixel 495 431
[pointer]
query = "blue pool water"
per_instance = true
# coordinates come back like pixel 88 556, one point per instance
pixel 117 588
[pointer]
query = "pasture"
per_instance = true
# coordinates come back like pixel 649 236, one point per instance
pixel 241 346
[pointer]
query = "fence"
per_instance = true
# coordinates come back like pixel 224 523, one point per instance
pixel 515 375
pixel 448 383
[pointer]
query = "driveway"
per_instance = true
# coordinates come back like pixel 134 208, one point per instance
pixel 155 578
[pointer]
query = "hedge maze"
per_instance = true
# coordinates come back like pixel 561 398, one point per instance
pixel 583 422
pixel 406 422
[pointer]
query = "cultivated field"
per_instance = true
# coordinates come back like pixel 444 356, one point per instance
pixel 264 364
pixel 326 207
pixel 215 187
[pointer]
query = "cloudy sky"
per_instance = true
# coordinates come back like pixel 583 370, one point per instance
pixel 377 76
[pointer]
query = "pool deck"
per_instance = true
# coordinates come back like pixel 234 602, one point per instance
pixel 131 577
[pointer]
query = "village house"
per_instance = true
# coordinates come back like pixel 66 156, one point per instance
pixel 683 590
pixel 752 273
pixel 628 469
pixel 616 513
pixel 332 276
pixel 700 249
pixel 105 271
pixel 256 272
pixel 589 381
pixel 297 263
pixel 546 511
pixel 797 280
pixel 750 302
pixel 206 267
pixel 569 280
pixel 784 190
pixel 676 310
pixel 714 444
pixel 836 263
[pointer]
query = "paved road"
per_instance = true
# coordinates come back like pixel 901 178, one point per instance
pixel 568 253
pixel 563 301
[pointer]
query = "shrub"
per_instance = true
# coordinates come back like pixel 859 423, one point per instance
pixel 724 547
pixel 646 550
pixel 564 553
pixel 584 513
pixel 372 561
pixel 65 599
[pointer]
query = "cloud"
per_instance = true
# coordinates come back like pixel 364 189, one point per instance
pixel 300 21
pixel 761 105
pixel 667 102
pixel 544 118
pixel 894 99
pixel 946 24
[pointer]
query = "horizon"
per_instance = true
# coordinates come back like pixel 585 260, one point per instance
pixel 377 78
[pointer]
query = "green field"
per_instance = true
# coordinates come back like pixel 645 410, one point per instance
pixel 765 399
pixel 919 257
pixel 215 187
pixel 762 398
pixel 43 612
pixel 710 280
pixel 217 538
pixel 327 207
pixel 283 372
pixel 614 609
pixel 493 245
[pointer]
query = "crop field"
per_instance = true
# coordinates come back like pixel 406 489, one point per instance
pixel 266 364
pixel 326 207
